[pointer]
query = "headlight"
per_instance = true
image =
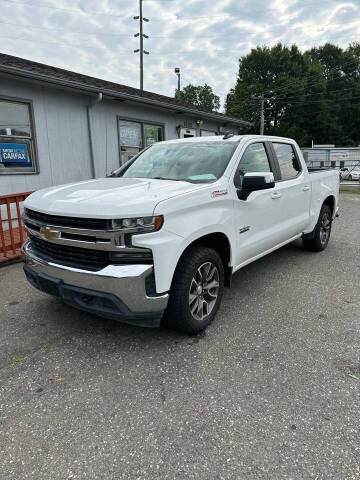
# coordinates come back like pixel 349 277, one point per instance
pixel 140 224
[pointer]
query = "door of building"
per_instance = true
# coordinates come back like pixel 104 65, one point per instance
pixel 131 140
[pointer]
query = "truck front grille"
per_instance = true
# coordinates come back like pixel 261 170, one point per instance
pixel 83 258
pixel 86 258
pixel 72 222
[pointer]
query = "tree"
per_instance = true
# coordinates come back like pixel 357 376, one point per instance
pixel 308 94
pixel 199 95
pixel 341 69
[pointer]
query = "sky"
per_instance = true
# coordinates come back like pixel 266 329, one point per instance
pixel 204 38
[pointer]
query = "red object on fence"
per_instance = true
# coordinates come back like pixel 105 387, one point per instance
pixel 11 239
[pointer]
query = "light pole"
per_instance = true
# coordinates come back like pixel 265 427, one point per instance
pixel 177 72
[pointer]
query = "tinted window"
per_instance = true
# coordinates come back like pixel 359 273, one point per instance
pixel 254 160
pixel 288 163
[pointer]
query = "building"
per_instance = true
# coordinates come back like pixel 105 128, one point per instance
pixel 331 157
pixel 58 126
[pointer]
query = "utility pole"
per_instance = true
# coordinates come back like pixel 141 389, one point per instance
pixel 142 35
pixel 262 99
pixel 177 72
pixel 262 103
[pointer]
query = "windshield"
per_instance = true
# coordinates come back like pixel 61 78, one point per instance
pixel 197 162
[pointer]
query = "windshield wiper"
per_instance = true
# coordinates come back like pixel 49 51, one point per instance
pixel 173 179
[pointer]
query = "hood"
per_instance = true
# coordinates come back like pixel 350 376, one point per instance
pixel 107 197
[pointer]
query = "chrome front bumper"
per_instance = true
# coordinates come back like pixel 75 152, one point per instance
pixel 124 286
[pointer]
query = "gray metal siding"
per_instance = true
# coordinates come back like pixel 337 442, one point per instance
pixel 62 135
pixel 314 156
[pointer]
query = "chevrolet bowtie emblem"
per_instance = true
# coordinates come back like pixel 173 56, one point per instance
pixel 47 233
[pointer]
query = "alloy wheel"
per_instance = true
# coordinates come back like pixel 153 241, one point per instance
pixel 325 228
pixel 204 290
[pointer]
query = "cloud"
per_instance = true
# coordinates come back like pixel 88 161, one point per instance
pixel 205 39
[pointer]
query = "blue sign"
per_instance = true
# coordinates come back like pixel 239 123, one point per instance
pixel 15 153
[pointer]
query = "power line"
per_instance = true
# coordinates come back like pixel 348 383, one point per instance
pixel 80 45
pixel 160 36
pixel 296 89
pixel 58 43
pixel 64 30
pixel 306 102
pixel 290 85
pixel 302 114
pixel 112 14
pixel 51 7
pixel 254 33
pixel 325 92
pixel 340 100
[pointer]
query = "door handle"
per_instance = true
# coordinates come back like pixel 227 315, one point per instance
pixel 306 188
pixel 275 195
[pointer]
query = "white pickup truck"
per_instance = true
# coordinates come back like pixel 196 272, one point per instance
pixel 162 236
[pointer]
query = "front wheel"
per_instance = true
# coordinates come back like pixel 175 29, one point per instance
pixel 196 290
pixel 350 178
pixel 320 237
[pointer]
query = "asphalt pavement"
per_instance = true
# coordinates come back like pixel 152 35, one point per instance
pixel 270 391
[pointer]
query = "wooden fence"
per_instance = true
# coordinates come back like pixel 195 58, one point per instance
pixel 12 233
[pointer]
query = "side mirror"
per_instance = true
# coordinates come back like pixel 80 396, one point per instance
pixel 255 181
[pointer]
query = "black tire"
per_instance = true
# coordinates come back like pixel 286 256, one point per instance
pixel 350 178
pixel 318 240
pixel 179 314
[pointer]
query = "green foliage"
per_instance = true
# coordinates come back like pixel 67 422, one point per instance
pixel 199 95
pixel 308 95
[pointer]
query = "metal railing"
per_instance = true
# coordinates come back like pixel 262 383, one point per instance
pixel 12 233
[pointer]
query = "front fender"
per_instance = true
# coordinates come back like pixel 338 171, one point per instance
pixel 186 219
pixel 168 247
pixel 184 222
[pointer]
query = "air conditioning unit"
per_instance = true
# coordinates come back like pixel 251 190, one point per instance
pixel 184 132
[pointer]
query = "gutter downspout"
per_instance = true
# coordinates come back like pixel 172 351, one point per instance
pixel 93 102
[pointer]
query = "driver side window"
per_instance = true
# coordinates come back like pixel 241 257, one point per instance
pixel 254 159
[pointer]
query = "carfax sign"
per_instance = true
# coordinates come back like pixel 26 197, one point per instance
pixel 15 153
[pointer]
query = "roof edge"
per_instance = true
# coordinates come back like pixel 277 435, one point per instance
pixel 122 95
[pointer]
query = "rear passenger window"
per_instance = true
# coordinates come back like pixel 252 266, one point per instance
pixel 254 160
pixel 288 162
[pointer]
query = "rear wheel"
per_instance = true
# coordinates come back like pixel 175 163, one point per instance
pixel 196 291
pixel 320 237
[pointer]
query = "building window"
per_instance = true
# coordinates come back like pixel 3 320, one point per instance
pixel 152 134
pixel 17 146
pixel 134 136
pixel 288 162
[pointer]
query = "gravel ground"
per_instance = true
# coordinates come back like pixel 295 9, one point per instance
pixel 270 391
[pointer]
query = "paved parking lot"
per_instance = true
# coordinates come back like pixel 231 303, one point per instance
pixel 266 393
